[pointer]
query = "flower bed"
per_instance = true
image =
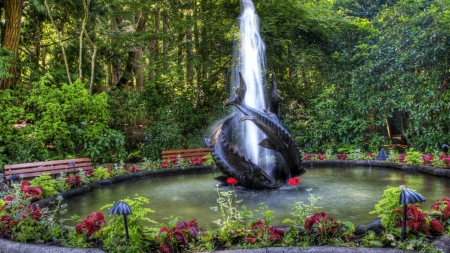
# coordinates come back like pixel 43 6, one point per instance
pixel 240 228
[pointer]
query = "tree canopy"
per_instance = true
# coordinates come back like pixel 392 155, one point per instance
pixel 349 72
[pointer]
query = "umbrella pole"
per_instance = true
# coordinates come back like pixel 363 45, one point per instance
pixel 404 223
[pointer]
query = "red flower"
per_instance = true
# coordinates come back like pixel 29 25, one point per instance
pixel 257 225
pixel 390 148
pixel 294 181
pixel 341 156
pixel 307 157
pixel 231 180
pixel 427 158
pixel 322 156
pixel 436 226
pixel 91 224
pixel 9 198
pixel 88 173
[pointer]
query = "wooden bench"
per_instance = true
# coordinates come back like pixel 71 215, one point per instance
pixel 31 170
pixel 186 154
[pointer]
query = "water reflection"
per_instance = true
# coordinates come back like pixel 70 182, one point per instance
pixel 349 194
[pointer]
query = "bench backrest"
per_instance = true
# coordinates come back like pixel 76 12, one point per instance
pixel 29 170
pixel 187 154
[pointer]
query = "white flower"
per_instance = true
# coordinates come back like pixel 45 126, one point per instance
pixel 214 208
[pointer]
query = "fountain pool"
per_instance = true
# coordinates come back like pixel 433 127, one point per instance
pixel 349 194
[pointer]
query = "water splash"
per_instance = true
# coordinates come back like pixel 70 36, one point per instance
pixel 249 57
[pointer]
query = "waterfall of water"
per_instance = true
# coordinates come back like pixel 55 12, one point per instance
pixel 250 59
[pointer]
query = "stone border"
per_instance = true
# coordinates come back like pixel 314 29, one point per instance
pixel 405 167
pixel 443 242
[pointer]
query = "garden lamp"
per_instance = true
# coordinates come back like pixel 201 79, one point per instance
pixel 145 140
pixel 72 163
pixel 382 156
pixel 408 196
pixel 14 177
pixel 124 209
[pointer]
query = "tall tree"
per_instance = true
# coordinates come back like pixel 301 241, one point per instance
pixel 11 37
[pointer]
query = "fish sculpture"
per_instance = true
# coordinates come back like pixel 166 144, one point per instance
pixel 233 164
pixel 274 98
pixel 278 138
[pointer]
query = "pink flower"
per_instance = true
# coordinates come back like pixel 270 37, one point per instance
pixel 294 181
pixel 307 157
pixel 231 180
pixel 427 158
pixel 9 198
pixel 341 156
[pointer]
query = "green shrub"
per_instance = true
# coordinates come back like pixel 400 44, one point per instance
pixel 209 160
pixel 101 173
pixel 48 185
pixel 113 234
pixel 413 157
pixel 385 206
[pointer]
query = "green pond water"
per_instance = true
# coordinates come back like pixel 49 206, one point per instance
pixel 349 194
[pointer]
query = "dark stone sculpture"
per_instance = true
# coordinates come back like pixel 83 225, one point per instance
pixel 247 173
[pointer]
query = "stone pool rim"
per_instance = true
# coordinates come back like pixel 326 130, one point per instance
pixel 441 243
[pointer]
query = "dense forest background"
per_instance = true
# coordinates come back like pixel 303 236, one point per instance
pixel 125 79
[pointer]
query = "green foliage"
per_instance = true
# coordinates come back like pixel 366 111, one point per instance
pixel 413 157
pixel 74 240
pixel 10 113
pixel 303 211
pixel 209 160
pixel 48 185
pixel 70 119
pixel 6 58
pixel 118 168
pixel 108 147
pixel 385 206
pixel 148 164
pixel 113 234
pixel 26 223
pixel 101 173
pixel 371 240
pixel 175 123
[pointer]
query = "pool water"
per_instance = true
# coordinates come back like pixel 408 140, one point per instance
pixel 349 194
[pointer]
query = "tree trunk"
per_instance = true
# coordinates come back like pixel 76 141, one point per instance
pixel 86 4
pixel 11 38
pixel 389 129
pixel 140 25
pixel 114 64
pixel 59 41
pixel 165 41
pixel 197 51
pixel 154 47
pixel 134 56
pixel 190 52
